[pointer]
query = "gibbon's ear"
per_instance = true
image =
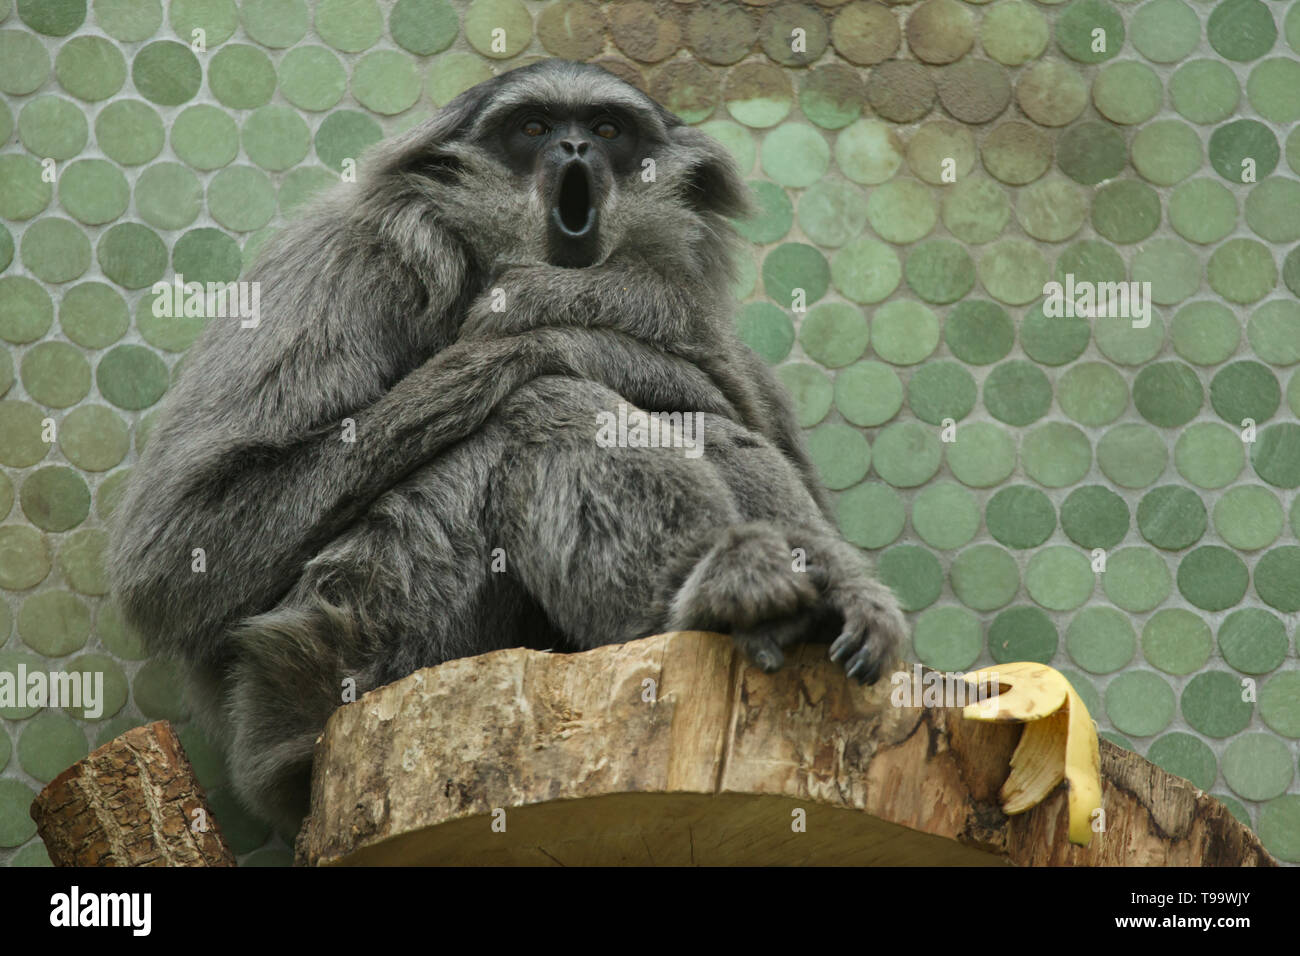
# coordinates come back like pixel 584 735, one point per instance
pixel 712 183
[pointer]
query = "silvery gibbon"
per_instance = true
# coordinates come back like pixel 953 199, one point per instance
pixel 399 464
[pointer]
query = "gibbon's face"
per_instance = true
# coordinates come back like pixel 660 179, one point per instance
pixel 573 155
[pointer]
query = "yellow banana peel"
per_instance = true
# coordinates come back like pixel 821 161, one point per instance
pixel 1059 741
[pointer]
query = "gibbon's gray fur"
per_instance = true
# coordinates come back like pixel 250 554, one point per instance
pixel 329 559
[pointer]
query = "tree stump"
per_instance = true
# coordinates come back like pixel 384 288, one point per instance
pixel 132 802
pixel 672 750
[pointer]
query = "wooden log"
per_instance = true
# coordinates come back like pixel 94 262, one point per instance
pixel 671 750
pixel 132 802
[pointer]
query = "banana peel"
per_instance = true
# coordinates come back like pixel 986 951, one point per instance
pixel 1059 741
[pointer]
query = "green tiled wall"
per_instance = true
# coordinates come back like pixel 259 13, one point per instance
pixel 923 169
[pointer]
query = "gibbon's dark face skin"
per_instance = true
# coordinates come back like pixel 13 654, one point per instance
pixel 574 156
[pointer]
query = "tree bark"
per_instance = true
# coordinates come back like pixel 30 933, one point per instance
pixel 671 750
pixel 132 802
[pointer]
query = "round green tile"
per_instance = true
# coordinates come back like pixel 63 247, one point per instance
pixel 1168 394
pixel 1127 92
pixel 453 73
pixel 168 73
pixel 865 270
pixel 1241 29
pixel 276 138
pixel 1253 641
pixel 241 76
pixel 131 377
pixel 24 557
pixel 1056 454
pixel 939 390
pixel 758 95
pixel 94 191
pixel 1014 33
pixel 575 30
pixel 55 250
pixel 1100 640
pixel 867 151
pixel 121 639
pixel 1274 332
pixel 1020 516
pixel 129 132
pixel 1177 641
pixel 1212 704
pixel 166 332
pixel 765 329
pixel 1059 578
pixel 24 62
pixel 115 684
pixel 355 25
pixel 1140 703
pixel 1271 90
pixel 54 623
pixel 1136 579
pixel 1209 455
pixel 900 211
pixel 205 137
pixel 92 315
pixel 1245 390
pixel 1014 271
pixel 1258 766
pixel 1279 703
pixel 720 35
pixel 834 334
pixel 939 271
pixel 312 78
pixel 1022 634
pixel 1090 31
pixel 157 691
pixel 1165 31
pixel 940 31
pixel 774 217
pixel 974 91
pixel 1090 260
pixel 870 515
pixel 1051 210
pixel 901 91
pixel 1017 392
pixel 345 135
pixel 93 438
pixel 1244 150
pixel 216 18
pixel 1242 270
pixel 979 332
pixel 870 393
pixel 795 270
pixel 976 210
pixel 385 82
pixel 1204 91
pixel 1236 808
pixel 811 390
pixel 913 574
pixel 945 515
pixel 1052 93
pixel 1248 517
pixel 207 255
pixel 840 454
pixel 941 152
pixel 984 577
pixel 1205 333
pixel 1172 517
pixel 906 454
pixel 948 639
pixel 1185 756
pixel 832 213
pixel 423 27
pixel 1273 210
pixel 55 374
pixel 1016 153
pixel 797 155
pixel 16 824
pixel 832 95
pixel 1212 578
pixel 1168 151
pixel 276 23
pixel 241 198
pixel 863 33
pixel 51 742
pixel 129 20
pixel 132 255
pixel 92 68
pixel 168 196
pixel 1202 211
pixel 55 498
pixel 738 140
pixel 26 311
pixel 1093 516
pixel 1092 393
pixel 1277 578
pixel 1123 343
pixel 983 454
pixel 52 127
pixel 1126 211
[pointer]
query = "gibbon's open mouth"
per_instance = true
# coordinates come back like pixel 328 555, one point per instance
pixel 573 211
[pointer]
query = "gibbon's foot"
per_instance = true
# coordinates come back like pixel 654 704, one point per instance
pixel 873 629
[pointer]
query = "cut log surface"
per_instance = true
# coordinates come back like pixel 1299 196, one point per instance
pixel 672 750
pixel 132 802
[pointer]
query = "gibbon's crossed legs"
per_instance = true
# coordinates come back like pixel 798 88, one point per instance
pixel 583 531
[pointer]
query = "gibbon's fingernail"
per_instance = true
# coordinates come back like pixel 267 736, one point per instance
pixel 853 672
pixel 841 647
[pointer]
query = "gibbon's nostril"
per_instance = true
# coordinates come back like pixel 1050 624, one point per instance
pixel 575 147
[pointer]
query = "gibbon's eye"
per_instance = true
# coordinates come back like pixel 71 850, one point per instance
pixel 534 127
pixel 606 130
